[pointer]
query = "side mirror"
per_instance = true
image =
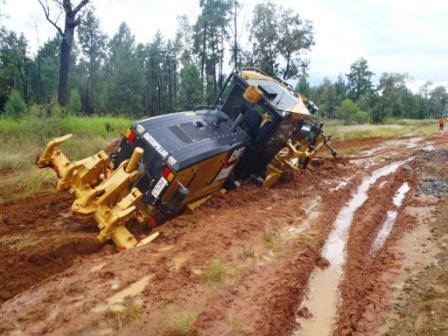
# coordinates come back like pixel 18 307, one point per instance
pixel 314 107
pixel 253 94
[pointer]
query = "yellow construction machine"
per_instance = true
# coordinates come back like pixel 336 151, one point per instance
pixel 258 129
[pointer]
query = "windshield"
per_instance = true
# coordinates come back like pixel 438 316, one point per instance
pixel 256 116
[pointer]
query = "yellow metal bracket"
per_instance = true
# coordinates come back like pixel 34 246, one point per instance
pixel 100 192
pixel 288 158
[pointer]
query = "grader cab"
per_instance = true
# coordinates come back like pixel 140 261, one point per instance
pixel 258 129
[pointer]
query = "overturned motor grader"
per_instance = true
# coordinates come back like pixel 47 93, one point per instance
pixel 258 129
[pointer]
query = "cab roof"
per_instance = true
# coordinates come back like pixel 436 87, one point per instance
pixel 278 93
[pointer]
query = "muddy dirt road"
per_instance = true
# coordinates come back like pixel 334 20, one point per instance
pixel 358 247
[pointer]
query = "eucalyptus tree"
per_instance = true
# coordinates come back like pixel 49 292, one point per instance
pixel 210 35
pixel 280 41
pixel 359 79
pixel 93 44
pixel 71 12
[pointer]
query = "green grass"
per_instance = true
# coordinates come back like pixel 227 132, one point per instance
pixel 130 314
pixel 19 242
pixel 215 273
pixel 271 243
pixel 237 326
pixel 24 139
pixel 401 127
pixel 19 186
pixel 39 131
pixel 183 321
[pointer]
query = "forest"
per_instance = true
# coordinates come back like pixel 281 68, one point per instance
pixel 83 71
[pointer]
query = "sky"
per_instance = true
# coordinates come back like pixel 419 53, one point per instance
pixel 404 36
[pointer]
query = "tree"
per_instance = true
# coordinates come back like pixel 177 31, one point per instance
pixel 438 102
pixel 341 89
pixel 184 41
pixel 210 32
pixel 15 62
pixel 392 92
pixel 15 106
pixel 74 103
pixel 359 79
pixel 295 37
pixel 44 79
pixel 236 50
pixel 154 57
pixel 351 113
pixel 279 37
pixel 326 93
pixel 303 86
pixel 71 22
pixel 93 43
pixel 190 87
pixel 125 81
pixel 264 35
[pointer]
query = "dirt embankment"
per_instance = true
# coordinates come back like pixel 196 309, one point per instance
pixel 38 238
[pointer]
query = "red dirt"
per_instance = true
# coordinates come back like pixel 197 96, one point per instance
pixel 38 242
pixel 362 293
pixel 265 269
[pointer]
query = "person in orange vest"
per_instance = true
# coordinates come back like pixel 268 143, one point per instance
pixel 441 124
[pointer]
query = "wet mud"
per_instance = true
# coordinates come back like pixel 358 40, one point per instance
pixel 38 239
pixel 245 263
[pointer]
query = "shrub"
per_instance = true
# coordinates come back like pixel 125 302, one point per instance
pixel 15 106
pixel 351 113
pixel 362 117
pixel 74 103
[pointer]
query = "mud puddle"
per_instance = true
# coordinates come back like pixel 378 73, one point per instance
pixel 388 224
pixel 323 297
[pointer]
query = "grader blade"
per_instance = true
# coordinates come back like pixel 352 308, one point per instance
pixel 99 192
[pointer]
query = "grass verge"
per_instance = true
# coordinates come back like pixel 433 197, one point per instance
pixel 399 128
pixel 23 140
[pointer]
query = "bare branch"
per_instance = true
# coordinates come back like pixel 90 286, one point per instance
pixel 47 16
pixel 80 6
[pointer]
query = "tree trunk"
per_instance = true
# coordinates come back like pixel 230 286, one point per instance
pixel 24 82
pixel 39 81
pixel 170 97
pixel 66 44
pixel 66 49
pixel 204 46
pixel 175 85
pixel 285 74
pixel 87 105
pixel 93 83
pixel 235 36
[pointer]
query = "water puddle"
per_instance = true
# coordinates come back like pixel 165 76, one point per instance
pixel 115 302
pixel 323 296
pixel 412 143
pixel 382 184
pixel 388 224
pixel 342 184
pixel 312 212
pixel 401 194
pixel 429 148
pixel 98 267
